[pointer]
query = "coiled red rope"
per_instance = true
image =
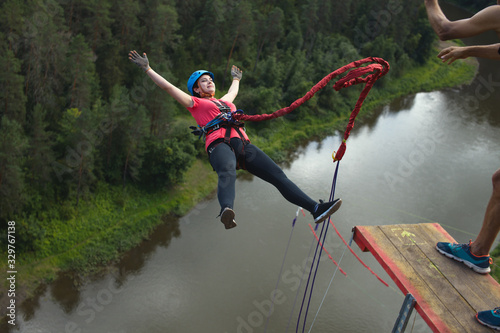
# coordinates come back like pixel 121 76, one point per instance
pixel 377 68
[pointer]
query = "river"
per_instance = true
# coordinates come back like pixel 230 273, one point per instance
pixel 427 157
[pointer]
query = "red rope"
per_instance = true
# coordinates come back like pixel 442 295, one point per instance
pixel 357 257
pixel 378 68
pixel 329 255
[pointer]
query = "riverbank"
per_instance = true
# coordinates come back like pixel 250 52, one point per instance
pixel 113 220
pixel 109 223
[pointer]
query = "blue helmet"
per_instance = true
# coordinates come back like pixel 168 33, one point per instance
pixel 195 76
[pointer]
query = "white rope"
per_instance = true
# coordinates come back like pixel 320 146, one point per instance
pixel 327 289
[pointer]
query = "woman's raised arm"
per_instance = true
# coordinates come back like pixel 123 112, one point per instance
pixel 231 94
pixel 179 95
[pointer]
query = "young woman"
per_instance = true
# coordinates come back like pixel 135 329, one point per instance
pixel 227 144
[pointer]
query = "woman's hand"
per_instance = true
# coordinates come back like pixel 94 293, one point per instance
pixel 142 62
pixel 179 95
pixel 237 74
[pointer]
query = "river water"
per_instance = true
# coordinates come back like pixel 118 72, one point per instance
pixel 428 157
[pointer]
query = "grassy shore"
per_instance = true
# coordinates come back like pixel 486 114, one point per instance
pixel 114 220
pixel 107 224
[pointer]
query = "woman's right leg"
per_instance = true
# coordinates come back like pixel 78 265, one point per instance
pixel 223 161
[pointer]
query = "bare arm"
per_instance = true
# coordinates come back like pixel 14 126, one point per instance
pixel 231 94
pixel 452 53
pixel 179 95
pixel 484 20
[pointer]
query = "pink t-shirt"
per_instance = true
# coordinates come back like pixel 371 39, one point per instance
pixel 203 110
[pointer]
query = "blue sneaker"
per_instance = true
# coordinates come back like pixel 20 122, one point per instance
pixel 462 253
pixel 490 318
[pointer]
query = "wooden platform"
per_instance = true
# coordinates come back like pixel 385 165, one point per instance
pixel 448 293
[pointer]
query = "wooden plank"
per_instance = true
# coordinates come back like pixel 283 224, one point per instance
pixel 414 244
pixel 405 277
pixel 448 294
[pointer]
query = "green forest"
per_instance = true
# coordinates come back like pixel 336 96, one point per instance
pixel 80 123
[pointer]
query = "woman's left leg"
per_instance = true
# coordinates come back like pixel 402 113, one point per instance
pixel 262 166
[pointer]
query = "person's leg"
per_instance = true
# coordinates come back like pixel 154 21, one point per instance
pixel 491 223
pixel 223 161
pixel 484 242
pixel 484 20
pixel 262 166
pixel 476 254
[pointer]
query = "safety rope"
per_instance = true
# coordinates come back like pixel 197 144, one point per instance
pixel 368 75
pixel 377 68
pixel 299 209
pixel 309 281
pixel 300 285
pixel 324 228
pixel 327 289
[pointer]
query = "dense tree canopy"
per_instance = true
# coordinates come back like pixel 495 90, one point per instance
pixel 75 112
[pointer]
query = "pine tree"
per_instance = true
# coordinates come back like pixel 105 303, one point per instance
pixel 240 18
pixel 81 76
pixel 113 149
pixel 209 33
pixel 134 140
pixel 13 143
pixel 270 31
pixel 12 97
pixel 40 155
pixel 12 17
pixel 75 169
pixel 45 51
pixel 93 19
pixel 126 26
pixel 310 24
